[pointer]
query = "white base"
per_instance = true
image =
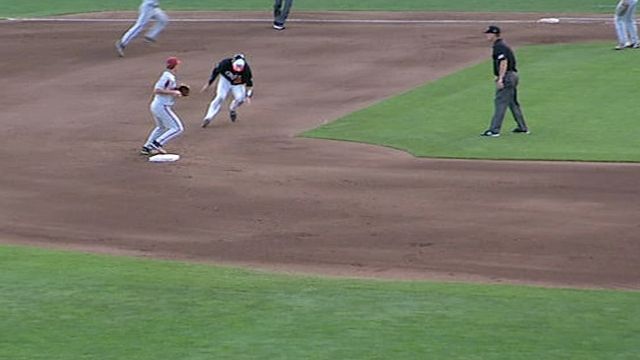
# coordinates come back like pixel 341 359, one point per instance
pixel 164 158
pixel 549 20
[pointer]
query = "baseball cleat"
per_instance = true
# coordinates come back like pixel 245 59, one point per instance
pixel 490 133
pixel 149 40
pixel 521 131
pixel 119 48
pixel 205 123
pixel 148 152
pixel 156 146
pixel 233 115
pixel 278 27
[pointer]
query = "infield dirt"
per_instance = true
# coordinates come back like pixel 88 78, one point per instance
pixel 251 193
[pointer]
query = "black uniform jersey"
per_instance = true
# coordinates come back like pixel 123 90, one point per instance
pixel 225 69
pixel 501 51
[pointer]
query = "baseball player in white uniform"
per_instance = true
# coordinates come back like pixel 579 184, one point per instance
pixel 626 28
pixel 149 10
pixel 168 124
pixel 235 76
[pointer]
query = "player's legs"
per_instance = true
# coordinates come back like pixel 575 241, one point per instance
pixel 502 99
pixel 514 105
pixel 619 21
pixel 221 94
pixel 630 22
pixel 155 133
pixel 282 16
pixel 162 19
pixel 277 8
pixel 171 123
pixel 157 130
pixel 239 96
pixel 145 14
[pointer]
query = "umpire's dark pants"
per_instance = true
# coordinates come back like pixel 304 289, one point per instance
pixel 507 97
pixel 281 13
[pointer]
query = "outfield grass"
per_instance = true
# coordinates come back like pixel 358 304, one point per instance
pixel 13 8
pixel 63 305
pixel 580 102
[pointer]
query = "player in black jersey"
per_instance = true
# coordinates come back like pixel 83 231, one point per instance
pixel 235 76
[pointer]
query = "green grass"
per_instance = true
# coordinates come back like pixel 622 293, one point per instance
pixel 580 102
pixel 13 8
pixel 63 305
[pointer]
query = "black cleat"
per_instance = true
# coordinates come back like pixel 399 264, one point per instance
pixel 148 151
pixel 157 147
pixel 521 131
pixel 233 115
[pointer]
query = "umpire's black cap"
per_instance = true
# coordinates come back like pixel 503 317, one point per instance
pixel 492 29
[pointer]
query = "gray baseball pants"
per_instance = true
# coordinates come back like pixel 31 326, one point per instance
pixel 507 97
pixel 280 13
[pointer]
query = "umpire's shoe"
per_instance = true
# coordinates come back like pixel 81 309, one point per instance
pixel 521 131
pixel 490 133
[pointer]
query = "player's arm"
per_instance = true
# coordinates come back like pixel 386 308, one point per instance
pixel 214 74
pixel 249 80
pixel 248 75
pixel 163 88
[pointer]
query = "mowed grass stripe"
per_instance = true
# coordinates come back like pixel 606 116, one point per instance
pixel 13 8
pixel 64 305
pixel 580 102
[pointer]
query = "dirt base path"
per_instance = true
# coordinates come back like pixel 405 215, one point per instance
pixel 252 193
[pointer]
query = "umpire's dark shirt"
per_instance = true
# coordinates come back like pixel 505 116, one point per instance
pixel 501 51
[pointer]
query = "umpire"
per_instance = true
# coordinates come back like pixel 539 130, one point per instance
pixel 281 10
pixel 504 68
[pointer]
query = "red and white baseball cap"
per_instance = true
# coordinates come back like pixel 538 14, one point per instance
pixel 172 62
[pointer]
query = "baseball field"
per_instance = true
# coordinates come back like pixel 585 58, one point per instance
pixel 414 238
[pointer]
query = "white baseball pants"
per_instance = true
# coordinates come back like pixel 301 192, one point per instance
pixel 168 124
pixel 146 14
pixel 625 20
pixel 224 86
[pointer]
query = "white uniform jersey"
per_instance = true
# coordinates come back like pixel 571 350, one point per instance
pixel 167 81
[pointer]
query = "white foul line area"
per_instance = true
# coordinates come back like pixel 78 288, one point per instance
pixel 569 20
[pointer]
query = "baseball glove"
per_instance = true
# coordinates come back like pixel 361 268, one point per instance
pixel 184 89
